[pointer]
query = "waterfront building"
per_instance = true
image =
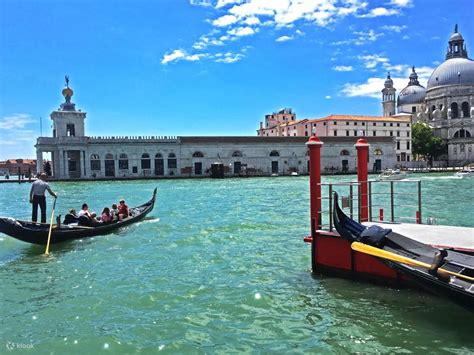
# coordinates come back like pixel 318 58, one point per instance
pixel 398 128
pixel 74 155
pixel 12 166
pixel 447 103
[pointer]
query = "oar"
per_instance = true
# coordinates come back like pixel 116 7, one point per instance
pixel 50 228
pixel 367 249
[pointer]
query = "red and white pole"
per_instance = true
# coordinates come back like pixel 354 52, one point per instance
pixel 362 177
pixel 314 144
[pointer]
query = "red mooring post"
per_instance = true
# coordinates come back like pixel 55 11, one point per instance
pixel 362 177
pixel 314 144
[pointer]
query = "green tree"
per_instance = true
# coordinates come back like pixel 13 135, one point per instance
pixel 425 143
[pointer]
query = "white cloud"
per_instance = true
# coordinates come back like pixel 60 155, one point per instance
pixel 251 21
pixel 401 3
pixel 223 3
pixel 372 60
pixel 405 37
pixel 284 38
pixel 394 28
pixel 361 39
pixel 328 97
pixel 205 3
pixel 242 31
pixel 179 54
pixel 17 121
pixel 373 86
pixel 343 68
pixel 380 11
pixel 225 21
pixel 228 57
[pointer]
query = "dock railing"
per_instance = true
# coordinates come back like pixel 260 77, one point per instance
pixel 401 198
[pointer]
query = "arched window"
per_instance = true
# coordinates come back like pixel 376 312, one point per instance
pixel 237 153
pixel 146 162
pixel 95 162
pixel 274 153
pixel 109 156
pixel 158 155
pixel 159 164
pixel 344 152
pixel 462 133
pixel 123 161
pixel 465 109
pixel 172 164
pixel 454 110
pixel 198 155
pixel 378 151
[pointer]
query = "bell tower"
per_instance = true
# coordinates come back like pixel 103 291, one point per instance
pixel 67 121
pixel 456 46
pixel 388 97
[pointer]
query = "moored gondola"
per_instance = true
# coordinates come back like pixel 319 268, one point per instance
pixel 38 233
pixel 434 277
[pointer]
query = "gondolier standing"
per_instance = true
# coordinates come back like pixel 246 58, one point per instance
pixel 37 197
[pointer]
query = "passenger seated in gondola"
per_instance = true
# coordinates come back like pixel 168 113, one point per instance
pixel 114 212
pixel 105 216
pixel 71 217
pixel 87 218
pixel 123 210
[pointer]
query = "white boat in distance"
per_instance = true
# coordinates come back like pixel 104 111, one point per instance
pixel 465 173
pixel 390 174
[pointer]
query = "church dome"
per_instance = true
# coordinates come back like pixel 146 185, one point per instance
pixel 453 71
pixel 388 82
pixel 412 94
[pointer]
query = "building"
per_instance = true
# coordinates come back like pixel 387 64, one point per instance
pixel 398 128
pixel 447 103
pixel 74 155
pixel 13 166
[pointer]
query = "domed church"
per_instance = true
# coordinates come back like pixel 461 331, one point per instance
pixel 447 103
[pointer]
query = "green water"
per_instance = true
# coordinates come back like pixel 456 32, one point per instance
pixel 219 266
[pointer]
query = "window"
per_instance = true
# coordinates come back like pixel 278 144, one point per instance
pixel 374 124
pixel 335 123
pixel 454 110
pixel 391 124
pixel 347 123
pixel 465 109
pixel 378 151
pixel 335 133
pixel 398 133
pixel 135 170
pixel 355 133
pixel 70 130
pixel 384 124
pixel 347 133
pixel 198 155
pixel 408 133
pixel 408 125
pixel 324 123
pixel 413 109
pixel 398 145
pixel 123 161
pixel 146 161
pixel 398 124
pixel 398 158
pixel 172 163
pixel 95 162
pixel 363 123
pixel 344 152
pixel 237 153
pixel 374 133
pixel 391 134
pixel 274 153
pixel 408 157
pixel 462 133
pixel 408 145
pixel 355 123
pixel 109 156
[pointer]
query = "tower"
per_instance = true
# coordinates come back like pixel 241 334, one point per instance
pixel 456 46
pixel 67 121
pixel 388 97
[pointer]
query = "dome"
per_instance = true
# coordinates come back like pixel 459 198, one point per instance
pixel 412 94
pixel 453 71
pixel 388 82
pixel 455 37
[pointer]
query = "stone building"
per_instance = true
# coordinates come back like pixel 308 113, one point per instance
pixel 74 155
pixel 447 103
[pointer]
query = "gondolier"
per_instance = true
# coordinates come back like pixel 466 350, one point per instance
pixel 37 197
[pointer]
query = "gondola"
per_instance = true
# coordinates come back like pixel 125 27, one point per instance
pixel 459 289
pixel 38 233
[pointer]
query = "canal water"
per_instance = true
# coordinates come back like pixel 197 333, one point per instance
pixel 219 266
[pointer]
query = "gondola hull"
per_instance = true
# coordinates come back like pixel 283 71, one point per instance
pixel 38 233
pixel 457 289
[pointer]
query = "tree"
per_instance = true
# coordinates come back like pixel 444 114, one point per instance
pixel 425 143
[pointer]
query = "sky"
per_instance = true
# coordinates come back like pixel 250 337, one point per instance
pixel 210 67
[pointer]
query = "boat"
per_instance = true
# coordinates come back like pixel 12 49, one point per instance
pixel 294 173
pixel 391 174
pixel 465 173
pixel 37 233
pixel 434 277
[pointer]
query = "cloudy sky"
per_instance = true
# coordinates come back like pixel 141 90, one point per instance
pixel 210 67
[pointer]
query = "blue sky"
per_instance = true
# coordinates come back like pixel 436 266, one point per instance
pixel 210 67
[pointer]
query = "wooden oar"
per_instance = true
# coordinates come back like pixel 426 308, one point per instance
pixel 50 228
pixel 367 249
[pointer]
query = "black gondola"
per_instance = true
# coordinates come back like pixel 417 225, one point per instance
pixel 456 288
pixel 38 233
